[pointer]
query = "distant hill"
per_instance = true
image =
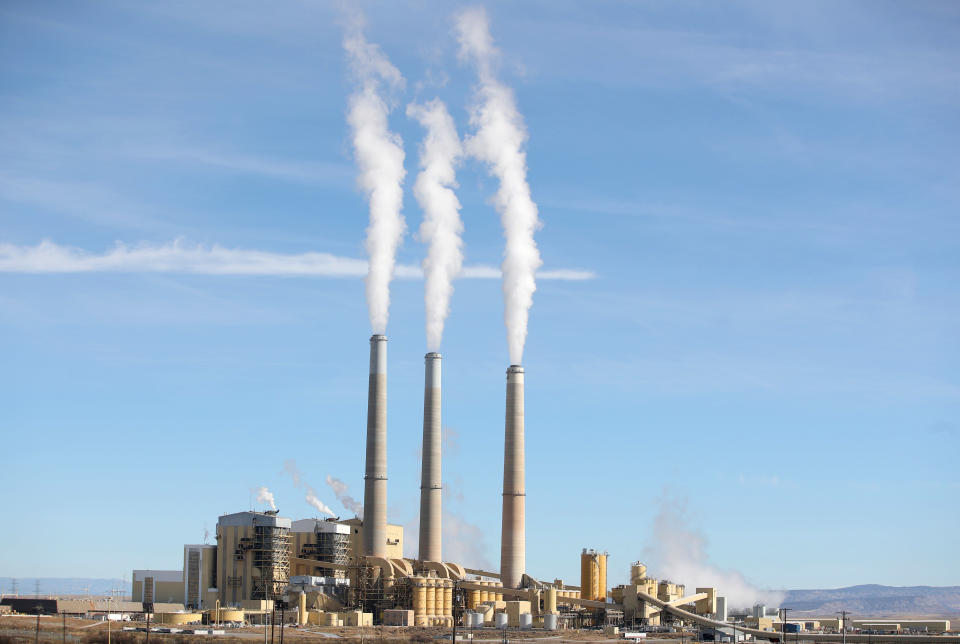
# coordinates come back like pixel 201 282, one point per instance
pixel 872 600
pixel 63 586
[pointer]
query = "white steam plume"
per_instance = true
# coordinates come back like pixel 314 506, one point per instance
pixel 679 553
pixel 290 467
pixel 499 142
pixel 441 227
pixel 340 490
pixel 265 496
pixel 379 156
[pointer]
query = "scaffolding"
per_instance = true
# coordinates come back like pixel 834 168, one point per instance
pixel 331 547
pixel 270 546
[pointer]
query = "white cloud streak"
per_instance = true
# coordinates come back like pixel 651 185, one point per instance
pixel 183 257
pixel 379 156
pixel 499 142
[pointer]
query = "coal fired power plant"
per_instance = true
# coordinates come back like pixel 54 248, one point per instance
pixel 353 572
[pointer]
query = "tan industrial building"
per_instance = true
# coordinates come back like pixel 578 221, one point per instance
pixel 157 586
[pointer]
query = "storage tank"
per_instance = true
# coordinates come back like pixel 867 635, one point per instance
pixel 231 615
pixel 500 620
pixel 498 596
pixel 602 561
pixel 526 620
pixel 550 600
pixel 430 586
pixel 448 598
pixel 593 575
pixel 419 596
pixel 637 572
pixel 550 621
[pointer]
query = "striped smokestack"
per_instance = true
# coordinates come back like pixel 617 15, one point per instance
pixel 375 478
pixel 513 536
pixel 431 490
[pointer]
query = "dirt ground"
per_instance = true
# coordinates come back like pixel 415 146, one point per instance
pixel 22 629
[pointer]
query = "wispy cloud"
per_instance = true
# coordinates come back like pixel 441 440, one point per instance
pixel 295 171
pixel 179 256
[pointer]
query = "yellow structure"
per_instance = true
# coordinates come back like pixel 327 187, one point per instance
pixel 593 575
pixel 158 586
pixel 550 600
pixel 356 618
pixel 668 591
pixel 253 557
pixel 707 606
pixel 638 571
pixel 394 538
pixel 514 609
pixel 177 619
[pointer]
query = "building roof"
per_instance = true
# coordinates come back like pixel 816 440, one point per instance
pixel 158 575
pixel 240 519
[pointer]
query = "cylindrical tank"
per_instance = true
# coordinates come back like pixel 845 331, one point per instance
pixel 498 596
pixel 485 594
pixel 231 615
pixel 526 620
pixel 550 621
pixel 637 572
pixel 419 596
pixel 602 562
pixel 471 599
pixel 330 619
pixel 448 598
pixel 500 620
pixel 430 585
pixel 593 575
pixel 550 600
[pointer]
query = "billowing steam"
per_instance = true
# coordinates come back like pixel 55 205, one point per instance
pixel 499 142
pixel 379 156
pixel 441 227
pixel 290 467
pixel 340 490
pixel 265 496
pixel 678 553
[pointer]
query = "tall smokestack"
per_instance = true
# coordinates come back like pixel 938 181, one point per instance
pixel 375 479
pixel 431 486
pixel 513 538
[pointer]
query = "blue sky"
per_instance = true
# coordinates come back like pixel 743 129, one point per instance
pixel 765 194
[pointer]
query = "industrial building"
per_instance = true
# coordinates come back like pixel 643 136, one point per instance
pixel 343 572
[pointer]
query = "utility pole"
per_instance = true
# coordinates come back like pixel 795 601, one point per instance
pixel 64 628
pixel 273 614
pixel 783 625
pixel 456 605
pixel 843 624
pixel 36 638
